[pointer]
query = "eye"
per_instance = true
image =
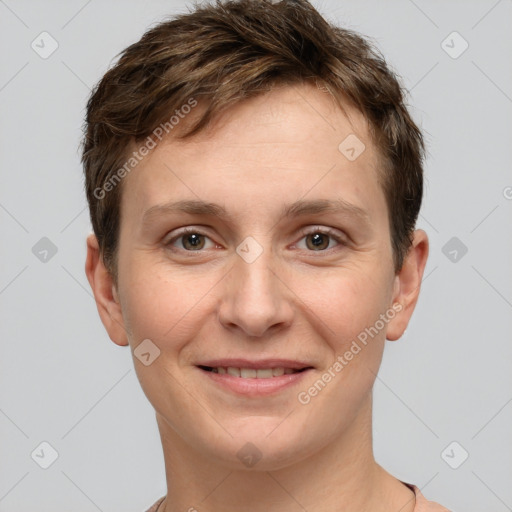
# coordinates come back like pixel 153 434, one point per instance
pixel 192 240
pixel 318 239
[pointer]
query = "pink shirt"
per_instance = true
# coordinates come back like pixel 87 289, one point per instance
pixel 422 504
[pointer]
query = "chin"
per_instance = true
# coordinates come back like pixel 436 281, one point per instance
pixel 261 449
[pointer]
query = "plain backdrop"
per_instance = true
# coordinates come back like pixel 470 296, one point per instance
pixel 444 391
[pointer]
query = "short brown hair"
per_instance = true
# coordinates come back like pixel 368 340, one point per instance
pixel 228 51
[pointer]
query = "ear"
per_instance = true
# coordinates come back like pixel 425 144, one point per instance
pixel 407 285
pixel 105 293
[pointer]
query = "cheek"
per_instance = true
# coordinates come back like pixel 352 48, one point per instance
pixel 163 304
pixel 350 301
pixel 351 305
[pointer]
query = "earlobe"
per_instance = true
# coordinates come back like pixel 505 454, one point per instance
pixel 105 293
pixel 408 283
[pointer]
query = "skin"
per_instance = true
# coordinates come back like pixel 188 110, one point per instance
pixel 294 301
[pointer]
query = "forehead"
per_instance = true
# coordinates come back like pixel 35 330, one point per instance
pixel 279 147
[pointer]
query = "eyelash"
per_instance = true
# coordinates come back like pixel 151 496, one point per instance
pixel 304 232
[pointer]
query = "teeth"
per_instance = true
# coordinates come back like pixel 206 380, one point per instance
pixel 264 374
pixel 252 373
pixel 234 371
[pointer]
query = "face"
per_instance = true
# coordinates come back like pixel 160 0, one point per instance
pixel 267 278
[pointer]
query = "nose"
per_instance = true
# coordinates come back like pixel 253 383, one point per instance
pixel 256 297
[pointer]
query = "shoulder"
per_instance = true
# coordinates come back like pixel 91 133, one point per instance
pixel 155 505
pixel 424 505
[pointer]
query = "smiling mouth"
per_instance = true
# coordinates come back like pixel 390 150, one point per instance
pixel 252 373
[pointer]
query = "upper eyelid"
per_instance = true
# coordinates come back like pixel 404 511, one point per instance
pixel 325 230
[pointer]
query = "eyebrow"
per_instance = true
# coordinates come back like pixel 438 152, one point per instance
pixel 296 209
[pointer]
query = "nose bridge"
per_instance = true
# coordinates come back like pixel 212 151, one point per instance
pixel 254 300
pixel 255 278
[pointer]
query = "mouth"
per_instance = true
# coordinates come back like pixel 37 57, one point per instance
pixel 252 379
pixel 253 373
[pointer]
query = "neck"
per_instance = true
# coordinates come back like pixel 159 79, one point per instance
pixel 342 476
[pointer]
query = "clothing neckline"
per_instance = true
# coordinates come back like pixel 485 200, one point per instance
pixel 158 503
pixel 412 487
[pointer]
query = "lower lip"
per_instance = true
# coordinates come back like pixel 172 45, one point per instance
pixel 255 387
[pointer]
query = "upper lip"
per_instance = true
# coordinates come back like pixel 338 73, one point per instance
pixel 264 363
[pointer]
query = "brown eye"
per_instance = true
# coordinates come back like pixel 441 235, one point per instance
pixel 317 241
pixel 193 241
pixel 189 240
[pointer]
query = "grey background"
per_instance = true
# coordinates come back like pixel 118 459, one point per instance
pixel 64 382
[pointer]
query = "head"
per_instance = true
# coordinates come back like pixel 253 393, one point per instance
pixel 255 116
